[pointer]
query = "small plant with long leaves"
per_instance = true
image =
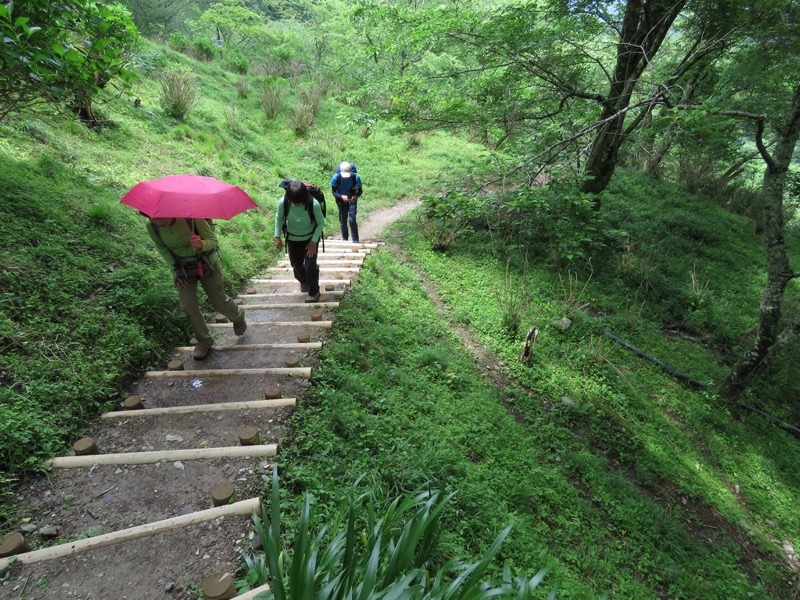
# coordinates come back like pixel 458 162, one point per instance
pixel 390 552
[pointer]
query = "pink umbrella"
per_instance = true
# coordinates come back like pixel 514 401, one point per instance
pixel 188 196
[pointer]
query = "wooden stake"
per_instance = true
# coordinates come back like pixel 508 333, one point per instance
pixel 244 507
pixel 148 458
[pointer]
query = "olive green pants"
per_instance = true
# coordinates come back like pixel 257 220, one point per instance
pixel 222 303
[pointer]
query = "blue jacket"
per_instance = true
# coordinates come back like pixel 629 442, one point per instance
pixel 346 186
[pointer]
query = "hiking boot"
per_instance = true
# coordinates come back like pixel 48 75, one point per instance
pixel 303 287
pixel 313 298
pixel 240 326
pixel 200 351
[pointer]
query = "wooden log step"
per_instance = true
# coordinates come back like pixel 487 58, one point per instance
pixel 290 294
pixel 323 324
pixel 154 456
pixel 200 408
pixel 253 594
pixel 241 508
pixel 199 374
pixel 291 305
pixel 287 346
pixel 345 256
pixel 339 243
pixel 341 261
pixel 294 281
pixel 321 270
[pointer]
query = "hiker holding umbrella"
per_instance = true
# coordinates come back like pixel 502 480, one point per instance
pixel 179 209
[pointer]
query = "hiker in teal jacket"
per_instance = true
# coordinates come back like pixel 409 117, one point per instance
pixel 303 227
pixel 189 247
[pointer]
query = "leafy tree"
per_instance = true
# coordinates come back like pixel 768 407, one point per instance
pixel 62 53
pixel 234 24
pixel 162 17
pixel 765 72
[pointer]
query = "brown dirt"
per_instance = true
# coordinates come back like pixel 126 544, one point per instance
pixel 86 502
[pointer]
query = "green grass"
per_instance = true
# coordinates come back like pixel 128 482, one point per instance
pixel 625 491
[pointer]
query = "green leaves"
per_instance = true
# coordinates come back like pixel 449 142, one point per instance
pixel 61 51
pixel 378 563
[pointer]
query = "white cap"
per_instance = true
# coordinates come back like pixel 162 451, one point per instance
pixel 345 169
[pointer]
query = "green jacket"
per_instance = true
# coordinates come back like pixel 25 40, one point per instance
pixel 299 225
pixel 173 240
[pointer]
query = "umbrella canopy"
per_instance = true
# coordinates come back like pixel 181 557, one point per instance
pixel 188 196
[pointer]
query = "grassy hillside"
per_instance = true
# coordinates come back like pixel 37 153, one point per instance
pixel 86 303
pixel 620 477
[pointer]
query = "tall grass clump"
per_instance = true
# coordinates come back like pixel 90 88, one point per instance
pixel 326 146
pixel 178 92
pixel 513 301
pixel 271 101
pixel 301 118
pixel 375 548
pixel 242 88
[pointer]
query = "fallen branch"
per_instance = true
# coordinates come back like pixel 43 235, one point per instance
pixel 791 428
pixel 653 359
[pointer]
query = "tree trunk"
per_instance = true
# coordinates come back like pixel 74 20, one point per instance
pixel 644 27
pixel 779 272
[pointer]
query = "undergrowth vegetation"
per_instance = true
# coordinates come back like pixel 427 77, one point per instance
pixel 615 475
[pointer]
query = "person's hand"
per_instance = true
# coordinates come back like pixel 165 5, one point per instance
pixel 196 241
pixel 179 282
pixel 311 249
pixel 345 198
pixel 279 243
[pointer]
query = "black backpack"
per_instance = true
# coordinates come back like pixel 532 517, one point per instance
pixel 314 193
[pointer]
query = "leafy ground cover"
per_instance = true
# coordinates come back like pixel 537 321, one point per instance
pixel 628 488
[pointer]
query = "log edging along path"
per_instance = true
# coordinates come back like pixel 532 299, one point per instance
pixel 349 259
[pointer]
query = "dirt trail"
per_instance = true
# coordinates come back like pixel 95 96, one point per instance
pixel 70 504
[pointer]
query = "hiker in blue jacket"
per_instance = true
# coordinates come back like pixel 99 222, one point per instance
pixel 346 186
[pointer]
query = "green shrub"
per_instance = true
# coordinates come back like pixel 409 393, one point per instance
pixel 242 88
pixel 203 49
pixel 301 118
pixel 311 96
pixel 179 93
pixel 178 41
pixel 448 216
pixel 374 548
pixel 271 101
pixel 237 62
